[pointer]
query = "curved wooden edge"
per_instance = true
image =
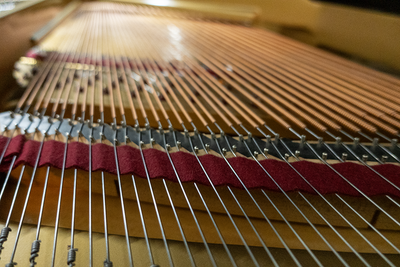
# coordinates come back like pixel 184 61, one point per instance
pixel 243 13
pixel 19 7
pixel 68 10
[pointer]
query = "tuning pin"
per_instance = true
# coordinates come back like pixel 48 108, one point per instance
pixel 384 158
pixel 324 156
pixel 255 153
pixel 268 138
pixel 207 147
pixel 141 143
pixel 137 128
pixel 393 143
pixel 127 139
pixel 338 141
pixel 152 141
pixel 266 151
pixel 302 140
pixel 344 156
pixel 224 151
pixel 168 147
pixel 320 141
pixel 12 115
pixel 116 142
pixel 196 149
pixel 356 142
pixel 234 148
pixel 92 140
pixel 365 158
pixel 161 130
pixel 102 137
pixel 287 156
pixel 277 138
pixel 375 143
pixel 68 136
pixel 179 144
pixel 297 153
pixel 213 136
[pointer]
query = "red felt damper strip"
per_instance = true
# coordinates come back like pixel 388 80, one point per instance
pixel 298 176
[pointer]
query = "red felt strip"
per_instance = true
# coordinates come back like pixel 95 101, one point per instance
pixel 320 176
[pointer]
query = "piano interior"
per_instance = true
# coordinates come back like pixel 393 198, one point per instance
pixel 183 133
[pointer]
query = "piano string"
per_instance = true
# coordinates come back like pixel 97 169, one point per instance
pixel 115 70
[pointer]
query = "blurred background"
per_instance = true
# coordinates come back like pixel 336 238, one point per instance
pixel 365 31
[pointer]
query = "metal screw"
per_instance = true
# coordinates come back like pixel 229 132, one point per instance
pixel 356 141
pixel 234 148
pixel 394 143
pixel 255 154
pixel 375 142
pixel 207 147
